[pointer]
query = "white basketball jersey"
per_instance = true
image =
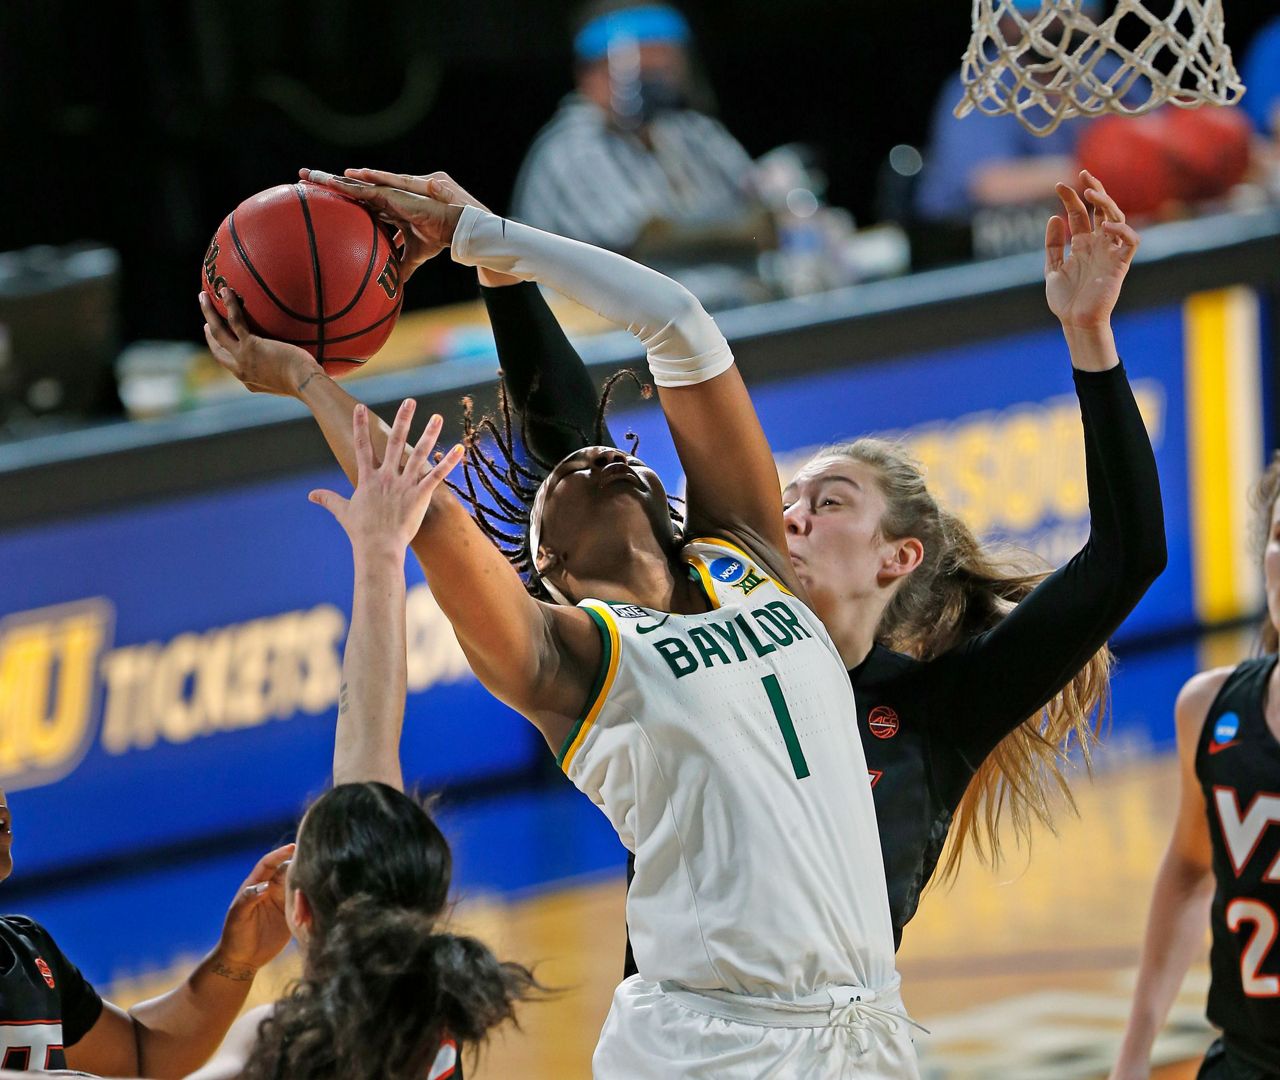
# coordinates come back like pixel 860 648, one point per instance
pixel 724 749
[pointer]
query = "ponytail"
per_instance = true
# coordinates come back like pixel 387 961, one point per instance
pixel 382 987
pixel 382 992
pixel 962 588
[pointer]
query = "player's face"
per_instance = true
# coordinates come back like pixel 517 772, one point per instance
pixel 832 511
pixel 1271 566
pixel 596 495
pixel 6 838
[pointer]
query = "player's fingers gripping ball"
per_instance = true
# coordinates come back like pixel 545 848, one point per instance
pixel 312 269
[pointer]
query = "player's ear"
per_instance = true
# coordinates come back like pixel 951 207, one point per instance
pixel 905 556
pixel 302 916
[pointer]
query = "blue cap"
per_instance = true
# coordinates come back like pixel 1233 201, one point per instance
pixel 649 24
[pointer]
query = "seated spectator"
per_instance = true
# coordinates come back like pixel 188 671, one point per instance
pixel 983 160
pixel 626 156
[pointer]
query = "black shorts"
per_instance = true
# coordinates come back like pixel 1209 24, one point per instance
pixel 1220 1063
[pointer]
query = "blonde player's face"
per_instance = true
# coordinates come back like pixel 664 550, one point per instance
pixel 1271 566
pixel 832 511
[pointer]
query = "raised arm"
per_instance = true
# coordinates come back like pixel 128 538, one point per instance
pixel 176 1032
pixel 546 378
pixel 380 519
pixel 702 393
pixel 539 658
pixel 1179 917
pixel 994 681
pixel 548 382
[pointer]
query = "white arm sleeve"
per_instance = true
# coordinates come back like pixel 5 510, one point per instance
pixel 683 343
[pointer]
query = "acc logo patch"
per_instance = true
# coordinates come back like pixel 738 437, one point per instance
pixel 883 722
pixel 45 973
pixel 727 569
pixel 1227 727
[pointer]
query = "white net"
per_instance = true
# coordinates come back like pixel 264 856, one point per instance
pixel 1051 64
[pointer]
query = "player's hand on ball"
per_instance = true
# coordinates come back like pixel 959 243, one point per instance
pixel 385 511
pixel 419 207
pixel 263 365
pixel 414 251
pixel 255 930
pixel 1082 287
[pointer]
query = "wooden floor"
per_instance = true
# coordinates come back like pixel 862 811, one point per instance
pixel 1022 974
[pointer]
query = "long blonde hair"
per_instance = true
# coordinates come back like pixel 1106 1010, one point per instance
pixel 1264 504
pixel 961 588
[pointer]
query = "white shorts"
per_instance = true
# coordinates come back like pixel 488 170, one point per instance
pixel 665 1032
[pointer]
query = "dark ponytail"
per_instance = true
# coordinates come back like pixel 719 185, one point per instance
pixel 383 987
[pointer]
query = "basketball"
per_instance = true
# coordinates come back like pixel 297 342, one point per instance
pixel 311 268
pixel 1212 148
pixel 1171 155
pixel 1134 159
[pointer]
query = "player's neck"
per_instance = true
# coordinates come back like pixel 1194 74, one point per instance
pixel 853 629
pixel 650 579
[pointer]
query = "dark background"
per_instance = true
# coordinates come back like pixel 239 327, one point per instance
pixel 143 123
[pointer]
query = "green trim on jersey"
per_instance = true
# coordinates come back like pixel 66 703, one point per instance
pixel 597 687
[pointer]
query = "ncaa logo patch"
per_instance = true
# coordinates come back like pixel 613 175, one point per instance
pixel 1227 727
pixel 727 569
pixel 883 722
pixel 45 973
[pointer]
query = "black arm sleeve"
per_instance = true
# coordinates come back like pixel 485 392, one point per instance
pixel 981 690
pixel 546 378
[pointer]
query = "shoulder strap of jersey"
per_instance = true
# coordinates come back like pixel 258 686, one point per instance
pixel 610 657
pixel 722 562
pixel 1235 703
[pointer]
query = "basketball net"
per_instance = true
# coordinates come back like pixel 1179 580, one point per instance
pixel 1044 75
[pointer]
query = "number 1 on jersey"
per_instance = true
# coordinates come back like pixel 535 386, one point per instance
pixel 783 716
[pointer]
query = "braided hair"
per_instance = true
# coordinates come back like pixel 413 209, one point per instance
pixel 500 485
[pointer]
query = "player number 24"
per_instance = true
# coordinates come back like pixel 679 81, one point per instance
pixel 1256 949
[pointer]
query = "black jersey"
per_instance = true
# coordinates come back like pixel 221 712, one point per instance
pixel 1238 766
pixel 926 725
pixel 45 1003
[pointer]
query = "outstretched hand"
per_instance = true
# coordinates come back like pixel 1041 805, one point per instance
pixel 263 365
pixel 255 929
pixel 1082 287
pixel 421 208
pixel 386 509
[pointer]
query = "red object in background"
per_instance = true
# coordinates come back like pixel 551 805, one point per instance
pixel 310 268
pixel 1170 155
pixel 1212 147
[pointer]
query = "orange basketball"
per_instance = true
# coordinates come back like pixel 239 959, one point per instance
pixel 1212 145
pixel 1132 157
pixel 1170 155
pixel 310 268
